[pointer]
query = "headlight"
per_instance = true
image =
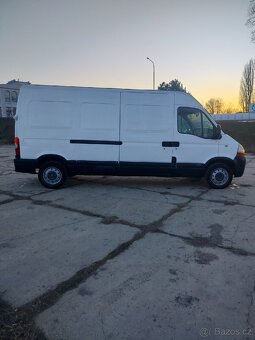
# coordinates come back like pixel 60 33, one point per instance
pixel 240 151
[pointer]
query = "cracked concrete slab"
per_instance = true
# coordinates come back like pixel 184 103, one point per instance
pixel 151 192
pixel 215 223
pixel 23 185
pixel 136 207
pixel 237 194
pixel 125 257
pixel 4 198
pixel 47 246
pixel 157 289
pixel 21 219
pixel 177 187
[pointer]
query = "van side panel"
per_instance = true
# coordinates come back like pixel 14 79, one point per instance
pixel 77 124
pixel 96 134
pixel 146 122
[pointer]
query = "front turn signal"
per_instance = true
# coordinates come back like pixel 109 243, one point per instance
pixel 240 151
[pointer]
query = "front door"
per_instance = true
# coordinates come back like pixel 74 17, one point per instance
pixel 195 132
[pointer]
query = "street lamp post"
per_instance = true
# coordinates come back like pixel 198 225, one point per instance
pixel 153 72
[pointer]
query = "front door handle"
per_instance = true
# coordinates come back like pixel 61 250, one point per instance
pixel 170 144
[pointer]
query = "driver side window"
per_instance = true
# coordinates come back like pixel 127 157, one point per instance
pixel 192 121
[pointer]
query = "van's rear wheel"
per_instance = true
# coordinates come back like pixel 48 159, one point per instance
pixel 52 174
pixel 219 176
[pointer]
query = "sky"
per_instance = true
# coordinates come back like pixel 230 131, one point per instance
pixel 104 43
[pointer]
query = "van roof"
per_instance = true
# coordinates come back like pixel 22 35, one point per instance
pixel 180 96
pixel 97 88
pixel 65 87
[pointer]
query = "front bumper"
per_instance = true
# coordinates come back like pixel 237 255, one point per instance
pixel 239 166
pixel 25 165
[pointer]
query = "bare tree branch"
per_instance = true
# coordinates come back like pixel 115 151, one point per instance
pixel 251 18
pixel 247 85
pixel 214 105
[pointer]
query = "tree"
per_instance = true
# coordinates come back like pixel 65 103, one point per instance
pixel 231 109
pixel 173 85
pixel 214 105
pixel 251 18
pixel 247 85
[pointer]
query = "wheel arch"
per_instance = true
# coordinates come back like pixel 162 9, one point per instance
pixel 224 160
pixel 50 158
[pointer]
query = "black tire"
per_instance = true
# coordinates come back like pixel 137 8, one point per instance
pixel 52 174
pixel 219 175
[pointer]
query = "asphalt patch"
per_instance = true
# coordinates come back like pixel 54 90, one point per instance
pixel 186 300
pixel 204 258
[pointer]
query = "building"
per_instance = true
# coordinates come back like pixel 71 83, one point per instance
pixel 9 96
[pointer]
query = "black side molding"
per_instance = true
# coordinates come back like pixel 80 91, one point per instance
pixel 90 141
pixel 170 144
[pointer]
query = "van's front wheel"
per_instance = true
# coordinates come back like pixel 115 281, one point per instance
pixel 219 176
pixel 52 175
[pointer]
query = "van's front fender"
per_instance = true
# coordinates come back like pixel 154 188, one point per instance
pixel 237 164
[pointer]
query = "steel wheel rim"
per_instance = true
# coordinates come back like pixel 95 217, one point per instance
pixel 220 176
pixel 52 175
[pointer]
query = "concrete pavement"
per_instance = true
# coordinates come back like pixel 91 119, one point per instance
pixel 126 258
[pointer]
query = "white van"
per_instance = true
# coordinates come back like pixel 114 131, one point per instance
pixel 64 131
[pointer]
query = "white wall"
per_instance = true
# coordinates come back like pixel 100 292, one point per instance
pixel 235 116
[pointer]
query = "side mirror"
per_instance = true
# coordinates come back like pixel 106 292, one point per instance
pixel 217 132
